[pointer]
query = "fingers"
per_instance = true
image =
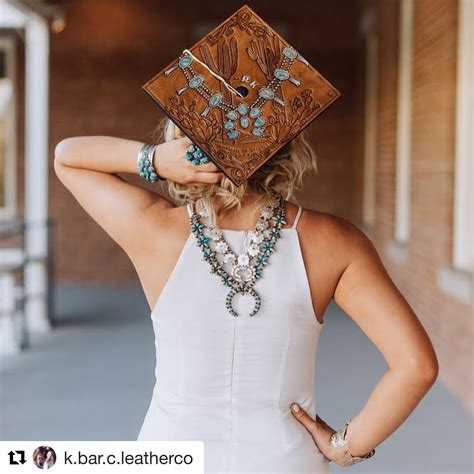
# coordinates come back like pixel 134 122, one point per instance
pixel 207 177
pixel 317 427
pixel 209 167
pixel 319 430
pixel 205 173
pixel 300 414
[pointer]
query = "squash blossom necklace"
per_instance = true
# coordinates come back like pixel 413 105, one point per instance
pixel 247 267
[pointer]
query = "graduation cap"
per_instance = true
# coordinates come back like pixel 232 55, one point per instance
pixel 241 93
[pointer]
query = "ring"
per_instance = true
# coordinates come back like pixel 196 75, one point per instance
pixel 196 156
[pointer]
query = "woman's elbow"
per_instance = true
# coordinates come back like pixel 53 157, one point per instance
pixel 430 372
pixel 425 370
pixel 61 149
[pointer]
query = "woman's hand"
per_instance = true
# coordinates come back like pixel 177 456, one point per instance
pixel 170 163
pixel 321 433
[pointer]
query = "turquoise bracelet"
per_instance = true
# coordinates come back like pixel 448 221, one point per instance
pixel 146 170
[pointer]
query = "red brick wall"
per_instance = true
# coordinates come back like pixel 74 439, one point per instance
pixel 109 49
pixel 448 322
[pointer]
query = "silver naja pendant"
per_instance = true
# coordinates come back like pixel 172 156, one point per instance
pixel 233 292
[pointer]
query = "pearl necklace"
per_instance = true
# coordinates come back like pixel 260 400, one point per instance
pixel 247 267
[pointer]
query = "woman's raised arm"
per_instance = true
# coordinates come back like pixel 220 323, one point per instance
pixel 88 167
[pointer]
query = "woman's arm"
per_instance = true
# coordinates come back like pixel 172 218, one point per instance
pixel 88 167
pixel 368 295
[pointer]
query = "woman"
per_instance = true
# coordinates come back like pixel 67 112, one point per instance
pixel 50 459
pixel 39 457
pixel 230 381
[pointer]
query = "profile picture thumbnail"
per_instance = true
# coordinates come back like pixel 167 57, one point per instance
pixel 44 457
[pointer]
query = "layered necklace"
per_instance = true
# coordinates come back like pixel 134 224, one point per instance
pixel 247 267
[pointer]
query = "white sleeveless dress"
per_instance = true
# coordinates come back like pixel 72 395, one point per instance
pixel 229 381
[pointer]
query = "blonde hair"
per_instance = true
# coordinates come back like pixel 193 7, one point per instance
pixel 282 175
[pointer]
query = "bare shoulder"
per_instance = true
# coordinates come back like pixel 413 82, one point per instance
pixel 169 220
pixel 329 244
pixel 334 233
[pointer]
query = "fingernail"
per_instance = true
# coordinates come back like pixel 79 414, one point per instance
pixel 295 407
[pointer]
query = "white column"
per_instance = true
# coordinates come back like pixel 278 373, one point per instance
pixel 403 154
pixel 463 254
pixel 36 170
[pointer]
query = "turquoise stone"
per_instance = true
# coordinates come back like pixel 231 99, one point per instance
pixel 244 122
pixel 290 53
pixel 215 99
pixel 232 115
pixel 258 132
pixel 259 122
pixel 229 125
pixel 233 135
pixel 281 74
pixel 185 61
pixel 254 112
pixel 266 93
pixel 243 109
pixel 196 81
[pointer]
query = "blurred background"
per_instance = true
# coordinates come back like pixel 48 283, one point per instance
pixel 395 158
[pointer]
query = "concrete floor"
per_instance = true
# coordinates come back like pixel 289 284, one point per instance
pixel 102 354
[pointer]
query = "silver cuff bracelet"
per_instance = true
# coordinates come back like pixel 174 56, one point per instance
pixel 339 440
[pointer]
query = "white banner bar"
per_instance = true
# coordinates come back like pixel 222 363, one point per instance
pixel 102 457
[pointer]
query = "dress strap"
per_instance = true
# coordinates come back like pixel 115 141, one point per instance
pixel 297 218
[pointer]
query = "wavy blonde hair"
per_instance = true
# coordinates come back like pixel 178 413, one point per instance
pixel 282 175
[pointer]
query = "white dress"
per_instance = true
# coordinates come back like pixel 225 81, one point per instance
pixel 229 381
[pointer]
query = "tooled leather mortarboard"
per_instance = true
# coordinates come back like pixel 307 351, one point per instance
pixel 241 93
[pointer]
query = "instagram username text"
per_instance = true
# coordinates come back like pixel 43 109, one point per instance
pixel 147 458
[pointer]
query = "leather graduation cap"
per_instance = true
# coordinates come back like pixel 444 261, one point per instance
pixel 241 93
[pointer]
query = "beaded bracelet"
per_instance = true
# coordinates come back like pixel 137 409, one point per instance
pixel 146 169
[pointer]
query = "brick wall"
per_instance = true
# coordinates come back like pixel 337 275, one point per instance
pixel 448 321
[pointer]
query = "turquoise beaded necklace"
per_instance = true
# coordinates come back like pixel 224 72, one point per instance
pixel 248 267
